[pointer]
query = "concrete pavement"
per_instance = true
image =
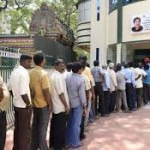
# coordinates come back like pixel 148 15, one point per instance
pixel 120 131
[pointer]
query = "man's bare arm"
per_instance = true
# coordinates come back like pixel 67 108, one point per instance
pixel 26 99
pixel 63 100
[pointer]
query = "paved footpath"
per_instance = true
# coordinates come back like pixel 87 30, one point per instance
pixel 120 131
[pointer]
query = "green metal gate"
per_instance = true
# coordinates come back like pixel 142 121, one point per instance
pixel 8 59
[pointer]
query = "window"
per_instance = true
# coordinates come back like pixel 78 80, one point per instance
pixel 130 1
pixel 97 53
pixel 113 4
pixel 84 11
pixel 98 10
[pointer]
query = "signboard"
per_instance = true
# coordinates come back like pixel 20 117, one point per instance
pixel 140 24
pixel 9 54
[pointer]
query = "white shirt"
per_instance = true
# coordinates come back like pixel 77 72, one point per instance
pixel 129 75
pixel 139 82
pixel 106 83
pixel 67 74
pixel 19 84
pixel 121 82
pixel 113 79
pixel 59 87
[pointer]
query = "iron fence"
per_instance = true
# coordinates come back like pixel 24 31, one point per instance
pixel 8 60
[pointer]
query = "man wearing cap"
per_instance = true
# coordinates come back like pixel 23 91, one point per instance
pixel 4 105
pixel 113 87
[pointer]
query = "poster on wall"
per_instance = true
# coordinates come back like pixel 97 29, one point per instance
pixel 140 24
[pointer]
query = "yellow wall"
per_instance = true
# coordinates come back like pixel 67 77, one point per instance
pixel 130 10
pixel 112 28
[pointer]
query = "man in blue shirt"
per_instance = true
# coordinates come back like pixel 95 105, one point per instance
pixel 130 85
pixel 98 78
pixel 147 84
pixel 77 97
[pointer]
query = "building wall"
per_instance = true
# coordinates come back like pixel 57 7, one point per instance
pixel 84 24
pixel 112 28
pixel 103 34
pixel 84 34
pixel 98 32
pixel 130 10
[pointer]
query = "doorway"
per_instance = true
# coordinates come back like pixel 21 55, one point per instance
pixel 140 54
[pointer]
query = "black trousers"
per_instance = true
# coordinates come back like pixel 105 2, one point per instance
pixel 99 96
pixel 22 132
pixel 57 131
pixel 106 103
pixel 82 128
pixel 112 101
pixel 3 125
pixel 139 97
pixel 130 92
pixel 146 93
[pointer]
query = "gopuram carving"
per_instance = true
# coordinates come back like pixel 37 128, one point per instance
pixel 45 23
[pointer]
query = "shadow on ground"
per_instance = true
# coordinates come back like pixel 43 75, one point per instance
pixel 120 131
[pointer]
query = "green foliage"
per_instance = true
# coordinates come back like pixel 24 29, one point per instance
pixel 20 20
pixel 81 52
pixel 66 11
pixel 21 16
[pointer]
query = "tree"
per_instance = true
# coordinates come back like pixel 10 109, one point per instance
pixel 4 4
pixel 20 20
pixel 66 11
pixel 21 11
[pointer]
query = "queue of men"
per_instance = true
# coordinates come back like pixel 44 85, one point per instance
pixel 74 96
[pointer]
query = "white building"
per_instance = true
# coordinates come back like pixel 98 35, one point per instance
pixel 84 24
pixel 106 29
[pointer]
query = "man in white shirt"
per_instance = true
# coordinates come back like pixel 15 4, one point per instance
pixel 139 75
pixel 19 86
pixel 121 93
pixel 60 106
pixel 113 87
pixel 130 86
pixel 68 70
